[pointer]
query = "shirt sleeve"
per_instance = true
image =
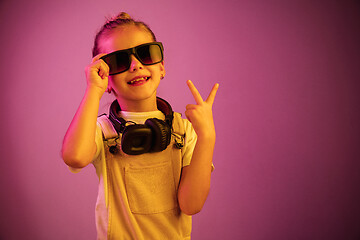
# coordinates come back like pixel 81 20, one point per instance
pixel 190 142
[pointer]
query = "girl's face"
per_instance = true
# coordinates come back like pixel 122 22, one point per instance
pixel 140 82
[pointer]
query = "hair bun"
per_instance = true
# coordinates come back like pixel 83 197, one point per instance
pixel 123 16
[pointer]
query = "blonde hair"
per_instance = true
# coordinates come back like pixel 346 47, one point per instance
pixel 121 19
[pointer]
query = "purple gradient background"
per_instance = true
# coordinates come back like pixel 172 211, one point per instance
pixel 287 112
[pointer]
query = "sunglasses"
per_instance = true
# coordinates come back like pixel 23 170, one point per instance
pixel 148 54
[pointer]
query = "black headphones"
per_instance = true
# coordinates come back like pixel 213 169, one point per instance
pixel 153 136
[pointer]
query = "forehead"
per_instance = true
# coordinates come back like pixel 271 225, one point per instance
pixel 124 37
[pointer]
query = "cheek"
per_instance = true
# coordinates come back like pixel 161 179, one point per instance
pixel 114 80
pixel 159 70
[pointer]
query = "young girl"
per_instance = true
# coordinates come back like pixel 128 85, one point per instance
pixel 154 167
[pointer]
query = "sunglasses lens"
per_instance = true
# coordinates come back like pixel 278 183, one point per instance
pixel 149 54
pixel 118 62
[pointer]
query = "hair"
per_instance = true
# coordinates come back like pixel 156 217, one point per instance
pixel 122 19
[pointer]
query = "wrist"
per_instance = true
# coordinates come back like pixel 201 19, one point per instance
pixel 208 137
pixel 93 91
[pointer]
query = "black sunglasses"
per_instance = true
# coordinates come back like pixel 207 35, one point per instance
pixel 148 54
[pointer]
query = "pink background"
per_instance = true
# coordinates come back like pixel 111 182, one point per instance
pixel 287 112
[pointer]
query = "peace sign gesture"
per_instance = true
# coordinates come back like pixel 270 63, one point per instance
pixel 200 114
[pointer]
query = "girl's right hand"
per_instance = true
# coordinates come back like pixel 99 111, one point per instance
pixel 97 74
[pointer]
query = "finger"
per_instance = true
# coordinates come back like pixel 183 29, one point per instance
pixel 97 57
pixel 191 106
pixel 102 73
pixel 100 68
pixel 195 92
pixel 103 70
pixel 212 94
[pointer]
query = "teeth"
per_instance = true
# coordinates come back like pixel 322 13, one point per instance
pixel 139 79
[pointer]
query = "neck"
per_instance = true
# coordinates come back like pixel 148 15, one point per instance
pixel 146 105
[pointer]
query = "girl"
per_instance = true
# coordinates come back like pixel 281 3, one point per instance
pixel 154 168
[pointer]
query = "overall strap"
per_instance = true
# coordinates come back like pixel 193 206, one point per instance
pixel 178 124
pixel 108 132
pixel 178 130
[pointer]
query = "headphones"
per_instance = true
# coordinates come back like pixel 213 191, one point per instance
pixel 153 136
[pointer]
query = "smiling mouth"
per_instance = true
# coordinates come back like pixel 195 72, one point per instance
pixel 138 81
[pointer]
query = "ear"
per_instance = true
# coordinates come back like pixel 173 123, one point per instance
pixel 109 88
pixel 162 69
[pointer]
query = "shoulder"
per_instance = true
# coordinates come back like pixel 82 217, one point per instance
pixel 106 127
pixel 182 123
pixel 188 129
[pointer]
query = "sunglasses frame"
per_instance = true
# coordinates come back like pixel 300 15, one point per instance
pixel 133 51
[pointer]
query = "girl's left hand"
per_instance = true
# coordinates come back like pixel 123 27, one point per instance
pixel 200 114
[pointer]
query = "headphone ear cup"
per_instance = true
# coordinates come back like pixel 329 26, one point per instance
pixel 136 139
pixel 161 134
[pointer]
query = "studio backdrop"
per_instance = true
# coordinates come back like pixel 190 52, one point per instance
pixel 287 156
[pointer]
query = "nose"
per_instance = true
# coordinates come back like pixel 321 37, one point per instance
pixel 135 64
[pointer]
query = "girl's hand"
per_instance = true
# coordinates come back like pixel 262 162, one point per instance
pixel 200 114
pixel 97 74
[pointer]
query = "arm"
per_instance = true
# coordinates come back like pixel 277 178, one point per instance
pixel 195 179
pixel 79 146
